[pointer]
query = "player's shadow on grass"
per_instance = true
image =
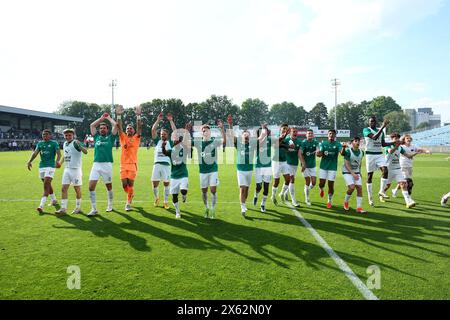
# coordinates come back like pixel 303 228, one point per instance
pixel 270 247
pixel 381 229
pixel 103 227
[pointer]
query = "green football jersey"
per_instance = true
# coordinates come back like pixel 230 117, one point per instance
pixel 178 158
pixel 279 152
pixel 48 151
pixel 292 152
pixel 330 155
pixel 244 156
pixel 103 147
pixel 309 152
pixel 264 153
pixel 207 151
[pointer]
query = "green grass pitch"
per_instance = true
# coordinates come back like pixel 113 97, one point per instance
pixel 148 254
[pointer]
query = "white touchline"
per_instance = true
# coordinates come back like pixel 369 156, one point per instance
pixel 341 263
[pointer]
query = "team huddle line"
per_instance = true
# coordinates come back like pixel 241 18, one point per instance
pixel 269 157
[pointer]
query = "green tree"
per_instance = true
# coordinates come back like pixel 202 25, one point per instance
pixel 350 116
pixel 319 116
pixel 399 122
pixel 88 111
pixel 217 107
pixel 287 112
pixel 381 106
pixel 253 112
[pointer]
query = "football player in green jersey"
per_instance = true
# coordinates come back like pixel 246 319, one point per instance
pixel 329 152
pixel 351 170
pixel 263 168
pixel 375 142
pixel 179 173
pixel 48 149
pixel 161 163
pixel 279 165
pixel 103 160
pixel 310 147
pixel 292 158
pixel 207 150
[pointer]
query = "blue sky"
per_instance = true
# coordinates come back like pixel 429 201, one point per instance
pixel 275 50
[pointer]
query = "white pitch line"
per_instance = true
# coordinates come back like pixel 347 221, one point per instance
pixel 369 295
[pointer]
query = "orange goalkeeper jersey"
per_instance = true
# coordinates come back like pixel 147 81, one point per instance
pixel 130 147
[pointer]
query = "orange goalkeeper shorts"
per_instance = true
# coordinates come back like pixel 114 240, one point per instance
pixel 128 171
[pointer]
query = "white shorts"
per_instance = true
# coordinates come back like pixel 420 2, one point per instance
pixel 292 170
pixel 329 175
pixel 310 172
pixel 263 175
pixel 101 169
pixel 244 178
pixel 47 172
pixel 279 169
pixel 396 175
pixel 178 184
pixel 407 172
pixel 349 180
pixel 73 176
pixel 161 172
pixel 209 179
pixel 374 162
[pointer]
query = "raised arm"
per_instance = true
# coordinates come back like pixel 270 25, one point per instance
pixel 119 112
pixel 138 112
pixel 264 133
pixel 94 124
pixel 378 134
pixel 156 124
pixel 173 127
pixel 222 130
pixel 113 124
pixel 344 147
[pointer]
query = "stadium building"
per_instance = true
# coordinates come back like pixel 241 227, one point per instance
pixel 20 128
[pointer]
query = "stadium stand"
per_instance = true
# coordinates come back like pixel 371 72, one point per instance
pixel 20 129
pixel 434 137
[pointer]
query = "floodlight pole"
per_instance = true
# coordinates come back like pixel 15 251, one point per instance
pixel 112 85
pixel 335 83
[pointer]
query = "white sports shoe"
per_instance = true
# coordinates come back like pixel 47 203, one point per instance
pixel 295 204
pixel 61 211
pixel 394 193
pixel 109 209
pixel 384 195
pixel 92 213
pixel 308 203
pixel 53 203
pixel 127 207
pixel 443 202
pixel 371 203
pixel 178 216
pixel 76 211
